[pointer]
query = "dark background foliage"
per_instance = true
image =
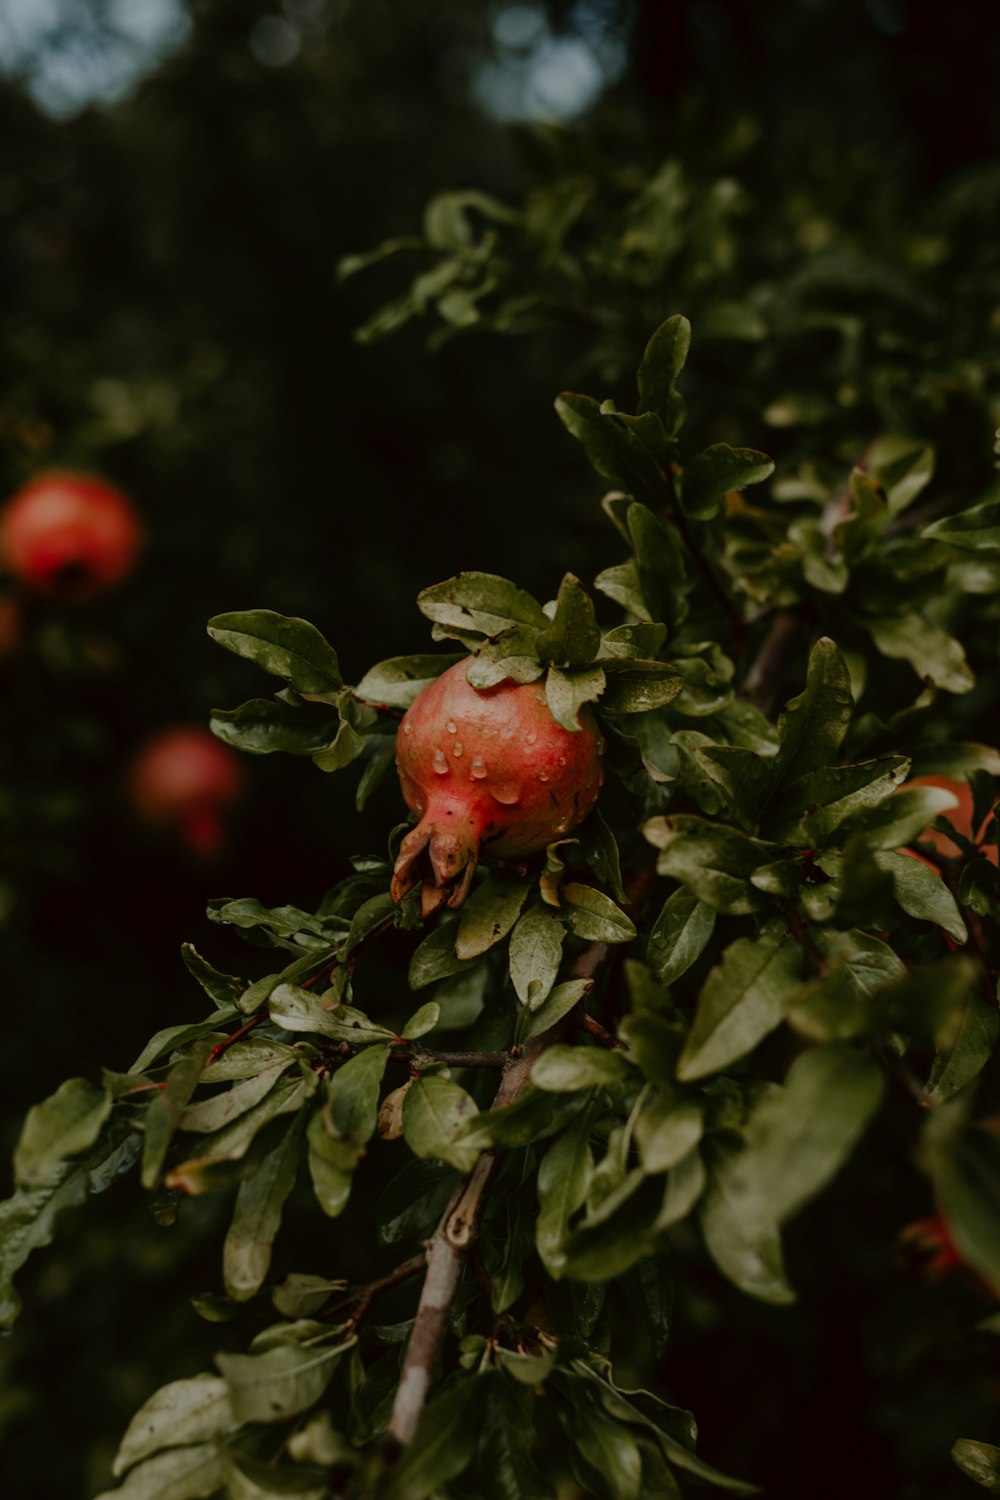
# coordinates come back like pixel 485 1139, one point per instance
pixel 172 319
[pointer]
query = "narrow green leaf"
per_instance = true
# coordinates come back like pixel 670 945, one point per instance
pixel 561 1069
pixel 593 916
pixel 284 1381
pixel 445 1441
pixel 246 1253
pixel 710 475
pixel 164 1113
pixel 742 1001
pixel 397 682
pixel 564 1179
pixel 679 935
pixel 573 637
pixel 568 691
pixel 663 360
pixel 535 953
pixel 489 914
pixel 481 604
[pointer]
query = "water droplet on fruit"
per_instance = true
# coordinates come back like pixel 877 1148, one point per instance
pixel 440 764
pixel 457 748
pixel 531 737
pixel 562 760
pixel 508 792
pixel 451 726
pixel 407 726
pixel 543 775
pixel 507 734
pixel 478 768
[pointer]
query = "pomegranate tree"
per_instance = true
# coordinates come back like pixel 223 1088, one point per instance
pixel 487 769
pixel 69 533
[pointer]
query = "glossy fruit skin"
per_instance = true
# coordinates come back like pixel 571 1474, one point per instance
pixel 185 779
pixel 70 534
pixel 960 816
pixel 487 771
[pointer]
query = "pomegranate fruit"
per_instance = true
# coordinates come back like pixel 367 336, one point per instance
pixel 186 780
pixel 486 769
pixel 70 534
pixel 960 816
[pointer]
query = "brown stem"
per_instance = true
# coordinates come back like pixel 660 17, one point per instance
pixel 707 571
pixel 763 681
pixel 360 1298
pixel 455 1234
pixel 419 1057
pixel 581 1021
pixel 235 1036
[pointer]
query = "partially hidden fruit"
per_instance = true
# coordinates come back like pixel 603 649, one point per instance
pixel 70 534
pixel 960 817
pixel 488 772
pixel 186 780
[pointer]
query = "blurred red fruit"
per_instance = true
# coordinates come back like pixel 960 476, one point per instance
pixel 960 816
pixel 186 780
pixel 10 626
pixel 69 534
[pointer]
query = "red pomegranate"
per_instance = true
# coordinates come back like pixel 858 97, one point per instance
pixel 486 768
pixel 186 780
pixel 70 534
pixel 960 816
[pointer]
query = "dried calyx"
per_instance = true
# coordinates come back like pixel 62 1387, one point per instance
pixel 491 774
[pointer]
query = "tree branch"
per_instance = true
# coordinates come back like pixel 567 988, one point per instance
pixel 455 1234
pixel 763 681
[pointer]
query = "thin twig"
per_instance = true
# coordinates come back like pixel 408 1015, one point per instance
pixel 360 1298
pixel 763 681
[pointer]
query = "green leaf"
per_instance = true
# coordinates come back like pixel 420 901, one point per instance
pixel 566 693
pixel 511 656
pixel 560 1002
pixel 614 449
pixel 264 726
pixel 489 914
pixel 742 1001
pixel 283 645
pixel 573 637
pixel 975 530
pixel 713 861
pixel 252 1479
pixel 839 1004
pixel 799 1137
pixel 812 726
pixel 506 1469
pixel 561 1069
pixel 636 687
pixel 979 1461
pixel 679 935
pixel 654 1043
pixel 331 1165
pixel 397 682
pixel 445 1441
pixel 643 641
pixel 354 1093
pixel 659 561
pixel 479 604
pixel 298 1010
pixel 964 1164
pixel 666 1132
pixel 172 1037
pixel 435 1116
pixel 593 916
pixel 189 1473
pixel 435 957
pixel 423 1020
pixel 246 1254
pixel 742 776
pixel 220 1109
pixel 968 1038
pixel 902 468
pixel 535 953
pixel 564 1179
pixel 905 815
pixel 710 475
pixel 185 1411
pixel 280 1383
pixel 63 1125
pixel 164 1113
pixel 233 1141
pixel 748 1254
pixel 533 1116
pixel 344 749
pixel 224 989
pixel 662 362
pixel 814 806
pixel 922 893
pixel 931 651
pixel 27 1220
